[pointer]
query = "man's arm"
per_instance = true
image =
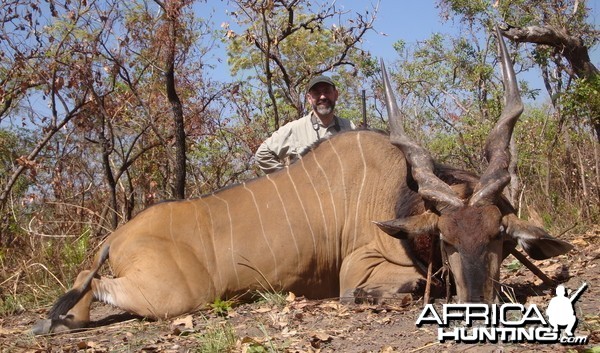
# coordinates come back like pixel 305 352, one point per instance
pixel 267 160
pixel 271 154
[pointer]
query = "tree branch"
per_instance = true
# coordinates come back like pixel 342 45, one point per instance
pixel 571 47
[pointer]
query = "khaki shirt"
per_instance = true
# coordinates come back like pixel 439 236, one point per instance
pixel 288 143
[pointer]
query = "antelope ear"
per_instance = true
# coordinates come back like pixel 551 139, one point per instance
pixel 403 228
pixel 538 244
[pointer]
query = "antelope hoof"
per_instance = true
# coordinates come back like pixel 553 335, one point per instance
pixel 47 326
pixel 42 327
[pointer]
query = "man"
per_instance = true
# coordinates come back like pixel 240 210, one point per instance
pixel 288 143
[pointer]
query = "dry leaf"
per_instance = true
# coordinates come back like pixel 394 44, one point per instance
pixel 262 310
pixel 287 332
pixel 88 345
pixel 290 297
pixel 186 322
pixel 331 305
pixel 579 242
pixel 301 305
pixel 321 336
pixel 183 326
pixel 385 320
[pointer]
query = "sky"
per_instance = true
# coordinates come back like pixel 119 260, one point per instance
pixel 414 21
pixel 409 20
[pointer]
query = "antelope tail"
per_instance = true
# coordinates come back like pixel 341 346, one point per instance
pixel 70 298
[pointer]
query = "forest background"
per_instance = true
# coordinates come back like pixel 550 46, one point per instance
pixel 107 107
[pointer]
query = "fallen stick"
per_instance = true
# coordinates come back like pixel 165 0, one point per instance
pixel 532 267
pixel 427 295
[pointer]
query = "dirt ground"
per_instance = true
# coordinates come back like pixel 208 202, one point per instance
pixel 301 325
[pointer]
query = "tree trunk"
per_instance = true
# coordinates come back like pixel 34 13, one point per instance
pixel 110 178
pixel 571 47
pixel 176 106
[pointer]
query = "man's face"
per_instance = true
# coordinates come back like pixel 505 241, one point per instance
pixel 322 98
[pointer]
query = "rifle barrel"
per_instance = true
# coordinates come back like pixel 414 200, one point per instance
pixel 364 110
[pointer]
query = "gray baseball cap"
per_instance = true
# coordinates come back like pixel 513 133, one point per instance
pixel 319 79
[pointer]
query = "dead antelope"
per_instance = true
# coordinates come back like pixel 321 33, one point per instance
pixel 309 229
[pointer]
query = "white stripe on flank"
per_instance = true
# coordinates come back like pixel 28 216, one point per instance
pixel 200 234
pixel 342 178
pixel 310 179
pixel 287 218
pixel 262 227
pixel 316 193
pixel 360 190
pixel 312 233
pixel 336 229
pixel 338 233
pixel 230 237
pixel 335 218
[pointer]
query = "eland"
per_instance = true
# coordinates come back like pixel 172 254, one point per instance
pixel 347 219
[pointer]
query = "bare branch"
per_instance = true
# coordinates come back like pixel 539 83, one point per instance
pixel 571 47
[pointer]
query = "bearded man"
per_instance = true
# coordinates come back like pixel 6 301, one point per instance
pixel 290 142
